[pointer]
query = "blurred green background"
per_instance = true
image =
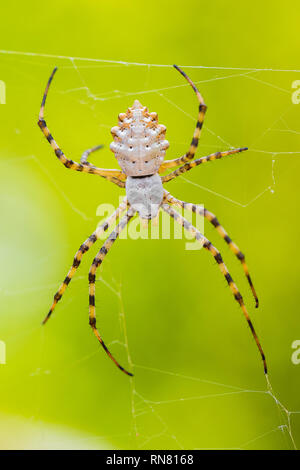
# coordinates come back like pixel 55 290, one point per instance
pixel 199 380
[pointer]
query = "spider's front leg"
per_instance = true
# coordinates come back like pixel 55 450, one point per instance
pixel 217 256
pixel 87 153
pixel 194 144
pixel 214 221
pixel 82 250
pixel 115 176
pixel 92 279
pixel 120 177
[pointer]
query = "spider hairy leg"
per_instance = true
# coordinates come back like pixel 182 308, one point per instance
pixel 92 279
pixel 214 221
pixel 217 256
pixel 199 161
pixel 82 250
pixel 86 154
pixel 41 115
pixel 115 176
pixel 199 124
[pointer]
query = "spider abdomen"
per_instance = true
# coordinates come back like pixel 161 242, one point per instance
pixel 145 195
pixel 139 141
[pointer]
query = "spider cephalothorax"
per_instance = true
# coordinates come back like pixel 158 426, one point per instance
pixel 139 146
pixel 139 141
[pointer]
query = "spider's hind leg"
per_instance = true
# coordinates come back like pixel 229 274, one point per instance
pixel 82 250
pixel 217 256
pixel 92 279
pixel 214 221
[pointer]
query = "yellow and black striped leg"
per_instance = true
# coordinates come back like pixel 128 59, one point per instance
pixel 194 144
pixel 199 161
pixel 214 221
pixel 115 176
pixel 92 279
pixel 217 256
pixel 82 250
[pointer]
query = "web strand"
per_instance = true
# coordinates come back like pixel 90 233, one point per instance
pixel 141 64
pixel 141 404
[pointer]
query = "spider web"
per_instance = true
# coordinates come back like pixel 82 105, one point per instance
pixel 151 421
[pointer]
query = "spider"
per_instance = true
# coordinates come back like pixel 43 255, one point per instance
pixel 139 145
